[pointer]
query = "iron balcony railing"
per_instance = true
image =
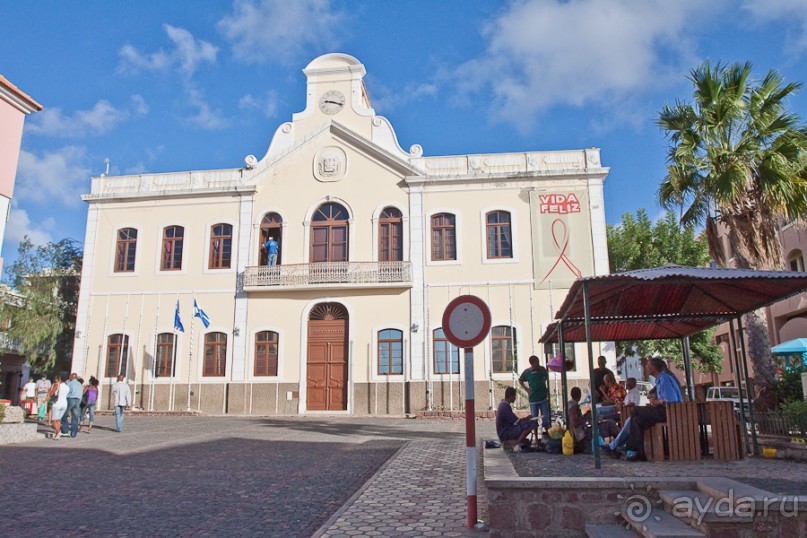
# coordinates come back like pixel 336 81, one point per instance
pixel 325 274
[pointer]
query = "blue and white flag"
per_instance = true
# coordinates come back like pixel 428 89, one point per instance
pixel 178 328
pixel 199 313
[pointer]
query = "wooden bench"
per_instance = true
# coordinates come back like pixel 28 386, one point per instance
pixel 678 439
pixel 726 433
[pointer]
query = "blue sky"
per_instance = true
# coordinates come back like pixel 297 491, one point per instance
pixel 167 86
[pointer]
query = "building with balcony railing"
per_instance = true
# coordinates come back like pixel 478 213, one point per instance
pixel 324 267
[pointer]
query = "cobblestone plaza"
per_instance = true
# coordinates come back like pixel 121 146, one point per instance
pixel 208 476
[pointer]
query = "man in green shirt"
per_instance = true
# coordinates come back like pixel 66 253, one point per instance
pixel 535 380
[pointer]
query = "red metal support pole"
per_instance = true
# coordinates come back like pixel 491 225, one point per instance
pixel 470 437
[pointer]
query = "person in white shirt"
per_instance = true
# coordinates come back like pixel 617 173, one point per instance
pixel 633 397
pixel 42 389
pixel 121 399
pixel 59 390
pixel 29 389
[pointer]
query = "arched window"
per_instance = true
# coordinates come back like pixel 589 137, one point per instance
pixel 125 250
pixel 173 238
pixel 215 364
pixel 446 354
pixel 165 355
pixel 390 352
pixel 117 354
pixel 329 228
pixel 444 237
pixel 271 226
pixel 390 235
pixel 221 246
pixel 502 339
pixel 266 346
pixel 499 236
pixel 795 261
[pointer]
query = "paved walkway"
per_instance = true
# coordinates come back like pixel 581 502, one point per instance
pixel 225 476
pixel 421 492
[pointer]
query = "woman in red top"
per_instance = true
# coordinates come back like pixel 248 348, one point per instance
pixel 614 392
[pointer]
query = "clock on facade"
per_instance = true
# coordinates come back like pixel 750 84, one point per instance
pixel 331 102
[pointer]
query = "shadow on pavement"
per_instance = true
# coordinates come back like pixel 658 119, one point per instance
pixel 368 429
pixel 226 487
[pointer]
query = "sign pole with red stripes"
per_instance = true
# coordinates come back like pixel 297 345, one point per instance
pixel 466 322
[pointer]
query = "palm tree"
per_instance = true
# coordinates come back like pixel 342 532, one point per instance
pixel 738 158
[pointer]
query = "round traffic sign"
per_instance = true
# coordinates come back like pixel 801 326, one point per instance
pixel 466 321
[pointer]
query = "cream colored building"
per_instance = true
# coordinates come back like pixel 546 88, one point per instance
pixel 374 242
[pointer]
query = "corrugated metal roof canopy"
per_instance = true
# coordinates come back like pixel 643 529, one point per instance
pixel 668 302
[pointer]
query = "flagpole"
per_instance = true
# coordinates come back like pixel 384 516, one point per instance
pixel 190 358
pixel 154 355
pixel 174 353
pixel 124 348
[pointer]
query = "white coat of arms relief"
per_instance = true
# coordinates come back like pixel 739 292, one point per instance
pixel 330 164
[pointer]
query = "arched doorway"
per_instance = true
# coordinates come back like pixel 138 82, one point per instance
pixel 327 358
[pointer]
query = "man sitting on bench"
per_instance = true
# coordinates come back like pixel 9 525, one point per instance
pixel 511 429
pixel 668 390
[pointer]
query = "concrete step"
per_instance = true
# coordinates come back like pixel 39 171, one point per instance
pixel 608 531
pixel 660 524
pixel 697 507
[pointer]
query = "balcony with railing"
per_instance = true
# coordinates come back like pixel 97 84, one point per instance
pixel 328 275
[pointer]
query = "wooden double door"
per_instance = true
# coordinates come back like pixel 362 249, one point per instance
pixel 327 359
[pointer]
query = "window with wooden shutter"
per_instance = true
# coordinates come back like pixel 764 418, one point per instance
pixel 215 361
pixel 266 352
pixel 117 354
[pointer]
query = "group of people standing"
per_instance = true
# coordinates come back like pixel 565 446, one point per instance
pixel 66 403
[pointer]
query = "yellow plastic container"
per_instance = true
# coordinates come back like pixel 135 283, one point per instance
pixel 568 443
pixel 769 453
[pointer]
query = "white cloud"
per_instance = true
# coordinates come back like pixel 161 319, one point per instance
pixel 20 225
pixel 101 118
pixel 186 54
pixel 266 105
pixel 141 108
pixel 56 177
pixel 261 30
pixel 546 53
pixel 205 117
pixel 385 98
pixel 790 13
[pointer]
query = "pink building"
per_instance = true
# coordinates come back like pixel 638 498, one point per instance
pixel 14 106
pixel 787 319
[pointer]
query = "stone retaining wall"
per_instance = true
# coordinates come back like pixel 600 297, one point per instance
pixel 18 433
pixel 563 506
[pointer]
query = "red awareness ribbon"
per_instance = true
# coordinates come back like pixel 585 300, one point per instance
pixel 562 244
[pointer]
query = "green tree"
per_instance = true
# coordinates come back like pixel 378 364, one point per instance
pixel 637 243
pixel 738 158
pixel 40 310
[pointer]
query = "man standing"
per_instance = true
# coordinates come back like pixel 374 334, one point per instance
pixel 535 380
pixel 599 378
pixel 73 403
pixel 29 389
pixel 271 251
pixel 42 389
pixel 121 399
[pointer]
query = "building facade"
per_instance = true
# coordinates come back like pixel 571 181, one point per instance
pixel 787 319
pixel 15 105
pixel 372 243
